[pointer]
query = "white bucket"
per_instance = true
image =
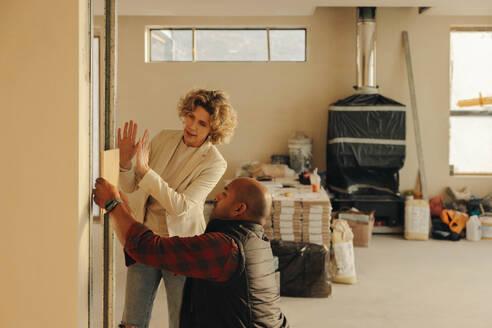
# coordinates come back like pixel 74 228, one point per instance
pixel 300 152
pixel 486 226
pixel 417 219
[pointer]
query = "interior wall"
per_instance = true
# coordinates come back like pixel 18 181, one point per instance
pixel 44 212
pixel 275 99
pixel 429 42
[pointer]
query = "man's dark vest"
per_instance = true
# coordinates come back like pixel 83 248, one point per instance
pixel 249 299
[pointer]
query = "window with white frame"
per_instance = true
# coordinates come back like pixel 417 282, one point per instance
pixel 227 45
pixel 470 144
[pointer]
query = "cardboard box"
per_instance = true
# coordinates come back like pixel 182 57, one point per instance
pixel 361 224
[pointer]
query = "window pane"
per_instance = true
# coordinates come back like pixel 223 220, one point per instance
pixel 288 45
pixel 470 144
pixel 171 45
pixel 471 66
pixel 231 45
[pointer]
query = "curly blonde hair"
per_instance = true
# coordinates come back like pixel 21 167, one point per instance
pixel 223 118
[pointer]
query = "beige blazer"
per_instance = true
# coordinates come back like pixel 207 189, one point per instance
pixel 184 206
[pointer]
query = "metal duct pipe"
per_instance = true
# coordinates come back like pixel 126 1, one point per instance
pixel 366 50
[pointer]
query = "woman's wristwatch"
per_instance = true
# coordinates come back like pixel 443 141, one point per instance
pixel 111 204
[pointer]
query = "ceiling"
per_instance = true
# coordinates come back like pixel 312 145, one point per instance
pixel 284 7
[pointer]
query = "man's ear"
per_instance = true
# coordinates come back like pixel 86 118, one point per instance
pixel 240 208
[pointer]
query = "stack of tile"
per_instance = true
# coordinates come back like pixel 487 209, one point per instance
pixel 287 220
pixel 316 217
pixel 268 227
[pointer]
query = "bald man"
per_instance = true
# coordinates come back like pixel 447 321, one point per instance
pixel 230 271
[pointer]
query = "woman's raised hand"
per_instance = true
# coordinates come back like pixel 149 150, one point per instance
pixel 143 154
pixel 127 145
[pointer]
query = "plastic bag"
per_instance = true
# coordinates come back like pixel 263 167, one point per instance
pixel 435 204
pixel 303 269
pixel 244 169
pixel 271 170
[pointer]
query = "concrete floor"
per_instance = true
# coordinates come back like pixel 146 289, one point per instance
pixel 407 284
pixel 400 284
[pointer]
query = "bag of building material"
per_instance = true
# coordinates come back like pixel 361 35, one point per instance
pixel 343 261
pixel 456 199
pixel 304 268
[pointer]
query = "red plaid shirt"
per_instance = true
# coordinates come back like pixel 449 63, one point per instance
pixel 212 256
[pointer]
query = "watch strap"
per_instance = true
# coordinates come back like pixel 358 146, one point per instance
pixel 111 204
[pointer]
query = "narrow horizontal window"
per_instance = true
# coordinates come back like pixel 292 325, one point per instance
pixel 227 45
pixel 288 45
pixel 231 45
pixel 171 45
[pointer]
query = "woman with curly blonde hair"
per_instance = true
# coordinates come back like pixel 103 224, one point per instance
pixel 171 179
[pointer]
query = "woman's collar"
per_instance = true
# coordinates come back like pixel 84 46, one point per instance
pixel 205 145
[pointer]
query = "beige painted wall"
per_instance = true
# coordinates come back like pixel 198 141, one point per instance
pixel 44 244
pixel 429 42
pixel 275 99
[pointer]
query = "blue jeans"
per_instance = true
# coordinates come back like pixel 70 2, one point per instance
pixel 141 286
